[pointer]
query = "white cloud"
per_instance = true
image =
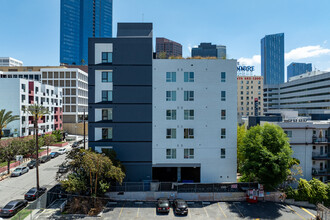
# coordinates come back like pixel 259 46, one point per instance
pixel 306 52
pixel 256 59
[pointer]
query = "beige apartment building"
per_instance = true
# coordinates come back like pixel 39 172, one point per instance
pixel 249 96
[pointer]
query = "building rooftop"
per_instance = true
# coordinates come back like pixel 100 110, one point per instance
pixel 308 74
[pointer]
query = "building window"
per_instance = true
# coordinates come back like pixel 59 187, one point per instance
pixel 223 76
pixel 288 133
pixel 23 87
pixel 241 92
pixel 106 133
pixel 106 76
pixel 170 153
pixel 223 95
pixel 106 57
pixel 188 95
pixel 189 153
pixel 222 153
pixel 223 133
pixel 247 82
pixel 171 133
pixel 241 97
pixel 170 95
pixel 170 76
pixel 23 98
pixel 223 114
pixel 189 114
pixel 259 82
pixel 171 114
pixel 106 95
pixel 241 87
pixel 107 114
pixel 247 87
pixel 188 76
pixel 188 133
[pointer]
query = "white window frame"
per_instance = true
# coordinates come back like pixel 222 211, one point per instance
pixel 109 114
pixel 170 153
pixel 189 77
pixel 189 96
pixel 189 114
pixel 170 95
pixel 170 76
pixel 188 133
pixel 188 153
pixel 171 114
pixel 171 133
pixel 109 132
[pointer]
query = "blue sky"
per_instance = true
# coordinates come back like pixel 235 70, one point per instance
pixel 30 28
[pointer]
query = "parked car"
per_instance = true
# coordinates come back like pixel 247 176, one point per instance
pixel 163 205
pixel 63 168
pixel 54 154
pixel 32 163
pixel 62 151
pixel 20 171
pixel 180 207
pixel 33 193
pixel 75 144
pixel 13 207
pixel 46 158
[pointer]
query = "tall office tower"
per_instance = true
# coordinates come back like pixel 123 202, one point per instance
pixel 80 20
pixel 209 50
pixel 295 69
pixel 120 97
pixel 170 48
pixel 272 59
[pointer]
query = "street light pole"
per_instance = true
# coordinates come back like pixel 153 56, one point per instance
pixel 37 149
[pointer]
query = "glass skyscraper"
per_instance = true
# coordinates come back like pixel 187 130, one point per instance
pixel 272 59
pixel 295 69
pixel 80 20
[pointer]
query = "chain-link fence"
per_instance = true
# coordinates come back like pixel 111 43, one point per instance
pixel 322 212
pixel 182 187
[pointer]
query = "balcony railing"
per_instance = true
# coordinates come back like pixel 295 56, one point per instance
pixel 318 156
pixel 319 172
pixel 320 140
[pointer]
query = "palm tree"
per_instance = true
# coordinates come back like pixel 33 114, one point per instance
pixel 37 111
pixel 5 119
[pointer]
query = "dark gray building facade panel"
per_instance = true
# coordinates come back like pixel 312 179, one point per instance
pixel 131 99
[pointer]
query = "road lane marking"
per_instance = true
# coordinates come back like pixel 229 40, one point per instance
pixel 206 212
pixel 222 210
pixel 295 211
pixel 308 212
pixel 238 210
pixel 137 214
pixel 121 210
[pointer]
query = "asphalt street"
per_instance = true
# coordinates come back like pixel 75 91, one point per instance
pixel 15 187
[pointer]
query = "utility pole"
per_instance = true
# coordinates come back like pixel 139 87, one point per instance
pixel 84 132
pixel 37 148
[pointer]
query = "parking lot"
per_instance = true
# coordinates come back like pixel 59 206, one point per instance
pixel 213 210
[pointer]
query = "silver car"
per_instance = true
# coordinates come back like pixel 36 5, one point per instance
pixel 20 171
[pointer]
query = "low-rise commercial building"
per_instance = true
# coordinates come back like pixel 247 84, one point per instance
pixel 18 94
pixel 168 47
pixel 9 61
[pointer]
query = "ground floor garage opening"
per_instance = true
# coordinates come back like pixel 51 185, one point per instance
pixel 177 174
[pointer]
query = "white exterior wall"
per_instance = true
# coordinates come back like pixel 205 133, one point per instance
pixel 207 121
pixel 9 61
pixel 303 146
pixel 101 85
pixel 12 101
pixel 99 48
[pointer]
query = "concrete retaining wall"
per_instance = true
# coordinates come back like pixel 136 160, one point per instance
pixel 300 203
pixel 75 128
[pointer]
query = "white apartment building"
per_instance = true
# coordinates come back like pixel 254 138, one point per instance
pixel 310 142
pixel 194 120
pixel 19 93
pixel 307 93
pixel 9 61
pixel 74 82
pixel 250 95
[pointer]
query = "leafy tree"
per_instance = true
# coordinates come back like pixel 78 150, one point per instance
pixel 241 132
pixel 9 148
pixel 318 191
pixel 58 134
pixel 37 112
pixel 90 171
pixel 162 55
pixel 49 139
pixel 267 156
pixel 30 146
pixel 113 157
pixel 304 191
pixel 5 119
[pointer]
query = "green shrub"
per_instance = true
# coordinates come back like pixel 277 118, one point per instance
pixel 304 191
pixel 319 191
